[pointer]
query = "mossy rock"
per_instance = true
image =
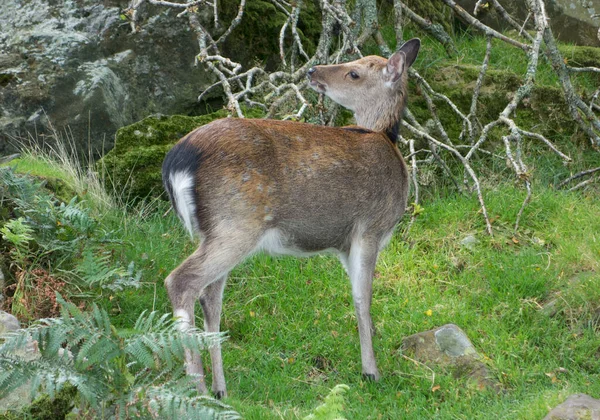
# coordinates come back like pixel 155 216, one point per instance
pixel 134 164
pixel 578 56
pixel 544 111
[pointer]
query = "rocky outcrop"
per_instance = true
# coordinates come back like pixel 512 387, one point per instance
pixel 76 64
pixel 572 21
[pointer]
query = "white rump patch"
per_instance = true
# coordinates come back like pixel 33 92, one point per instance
pixel 182 184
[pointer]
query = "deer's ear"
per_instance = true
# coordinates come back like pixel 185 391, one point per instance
pixel 411 50
pixel 395 67
pixel 401 60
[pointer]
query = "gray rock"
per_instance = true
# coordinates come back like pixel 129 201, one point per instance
pixel 469 241
pixel 77 64
pixel 576 407
pixel 21 396
pixel 449 347
pixel 572 21
pixel 8 323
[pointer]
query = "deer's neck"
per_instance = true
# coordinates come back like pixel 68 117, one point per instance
pixel 382 116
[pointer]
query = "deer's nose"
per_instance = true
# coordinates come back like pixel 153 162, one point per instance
pixel 311 71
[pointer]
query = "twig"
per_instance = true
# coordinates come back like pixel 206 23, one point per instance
pixel 504 14
pixel 577 175
pixel 472 117
pixel 583 184
pixel 434 29
pixel 583 69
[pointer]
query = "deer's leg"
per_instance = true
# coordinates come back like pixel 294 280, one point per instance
pixel 361 267
pixel 193 362
pixel 205 270
pixel 212 302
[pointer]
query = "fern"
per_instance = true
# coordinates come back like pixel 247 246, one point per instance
pixel 96 271
pixel 19 234
pixel 332 407
pixel 127 372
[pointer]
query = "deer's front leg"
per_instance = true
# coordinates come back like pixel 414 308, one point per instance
pixel 361 267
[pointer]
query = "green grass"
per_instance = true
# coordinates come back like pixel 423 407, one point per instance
pixel 292 329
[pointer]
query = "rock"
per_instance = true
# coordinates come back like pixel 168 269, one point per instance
pixel 21 396
pixel 571 21
pixel 140 148
pixel 449 347
pixel 77 64
pixel 576 407
pixel 469 241
pixel 8 323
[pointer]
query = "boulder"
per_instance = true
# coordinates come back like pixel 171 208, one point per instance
pixel 576 407
pixel 140 148
pixel 571 21
pixel 77 65
pixel 8 322
pixel 448 347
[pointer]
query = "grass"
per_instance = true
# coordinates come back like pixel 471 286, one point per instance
pixel 292 329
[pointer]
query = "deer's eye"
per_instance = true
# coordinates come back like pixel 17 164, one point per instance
pixel 354 75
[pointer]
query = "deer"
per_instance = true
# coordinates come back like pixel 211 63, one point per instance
pixel 290 188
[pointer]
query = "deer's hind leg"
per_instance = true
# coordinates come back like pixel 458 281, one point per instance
pixel 202 276
pixel 211 301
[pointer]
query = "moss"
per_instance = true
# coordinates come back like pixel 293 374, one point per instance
pixel 578 56
pixel 44 408
pixel 159 130
pixel 135 162
pixel 431 10
pixel 5 79
pixel 543 111
pixel 257 36
pixel 59 188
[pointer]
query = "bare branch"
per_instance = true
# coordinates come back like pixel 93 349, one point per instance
pixel 463 14
pixel 508 18
pixel 434 29
pixel 583 184
pixel 577 176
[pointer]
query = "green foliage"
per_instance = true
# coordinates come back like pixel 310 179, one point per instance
pixel 332 407
pixel 43 239
pixel 257 36
pixel 57 228
pixel 130 373
pixel 100 271
pixel 18 233
pixel 133 165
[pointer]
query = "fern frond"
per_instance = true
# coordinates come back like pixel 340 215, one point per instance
pixel 178 401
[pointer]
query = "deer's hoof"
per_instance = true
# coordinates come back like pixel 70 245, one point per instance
pixel 372 377
pixel 220 394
